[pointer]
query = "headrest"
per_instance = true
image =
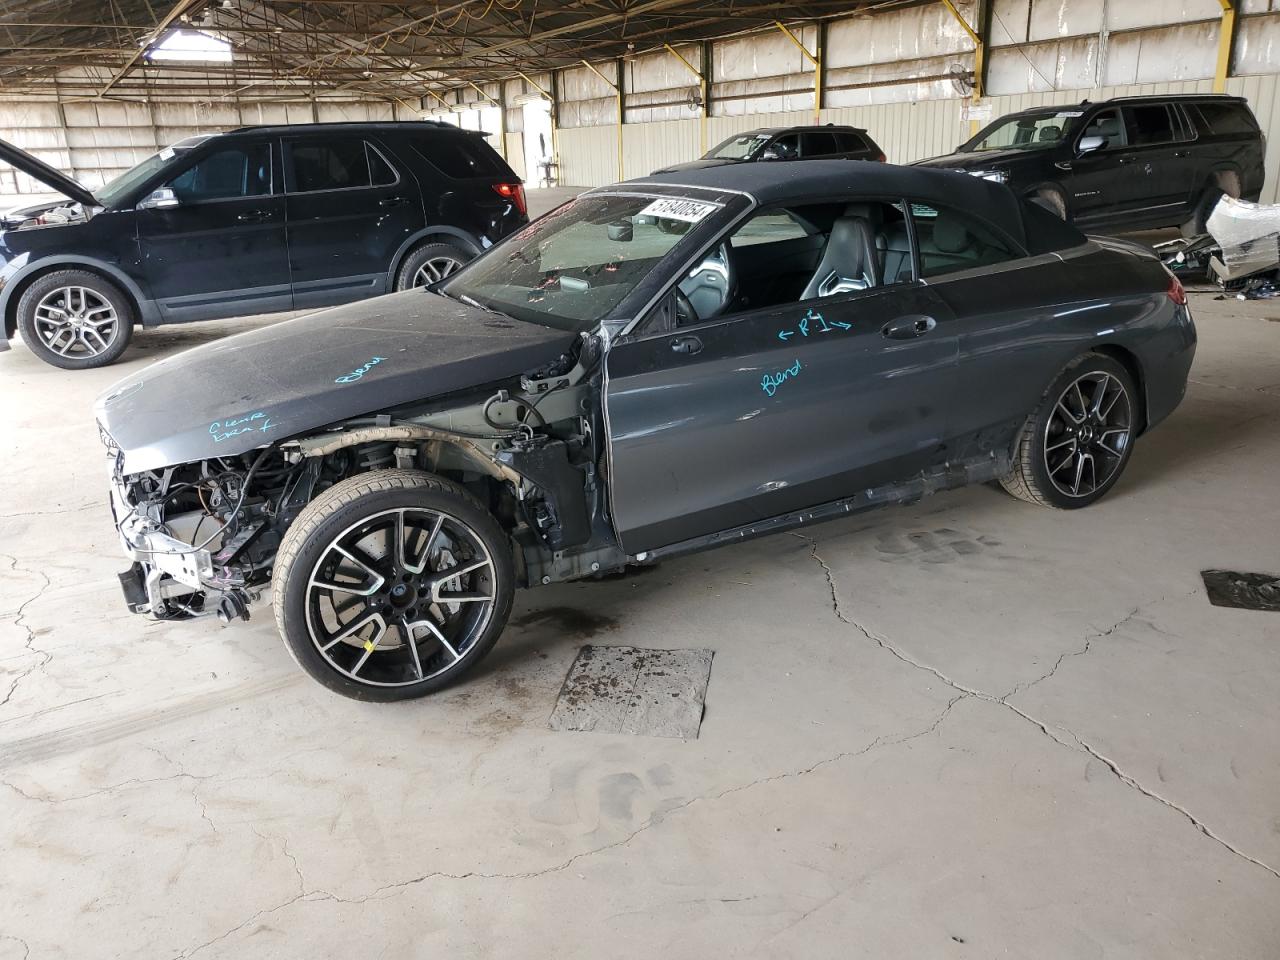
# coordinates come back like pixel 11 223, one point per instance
pixel 949 234
pixel 1108 126
pixel 1050 133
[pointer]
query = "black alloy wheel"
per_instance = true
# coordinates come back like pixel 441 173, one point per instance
pixel 1074 447
pixel 392 584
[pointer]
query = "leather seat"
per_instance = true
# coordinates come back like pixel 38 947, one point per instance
pixel 950 244
pixel 849 259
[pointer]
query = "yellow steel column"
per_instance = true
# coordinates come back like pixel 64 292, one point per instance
pixel 702 84
pixel 817 68
pixel 1226 40
pixel 979 56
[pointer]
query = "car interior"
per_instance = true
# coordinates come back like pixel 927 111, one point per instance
pixel 1108 126
pixel 799 253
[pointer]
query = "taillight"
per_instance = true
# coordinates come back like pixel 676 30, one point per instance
pixel 882 159
pixel 513 192
pixel 1176 292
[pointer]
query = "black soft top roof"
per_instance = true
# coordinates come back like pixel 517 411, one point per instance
pixel 818 180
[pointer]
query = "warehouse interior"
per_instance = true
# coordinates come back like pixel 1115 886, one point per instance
pixel 961 726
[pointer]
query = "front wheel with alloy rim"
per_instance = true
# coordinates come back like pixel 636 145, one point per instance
pixel 392 584
pixel 429 263
pixel 75 319
pixel 1075 445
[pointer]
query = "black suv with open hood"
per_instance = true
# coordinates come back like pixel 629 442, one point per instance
pixel 1133 163
pixel 252 221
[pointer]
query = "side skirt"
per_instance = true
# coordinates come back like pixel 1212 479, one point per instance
pixel 948 477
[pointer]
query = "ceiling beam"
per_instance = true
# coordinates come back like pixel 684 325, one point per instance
pixel 179 9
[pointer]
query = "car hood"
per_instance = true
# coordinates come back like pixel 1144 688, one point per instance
pixel 36 168
pixel 973 161
pixel 229 397
pixel 696 165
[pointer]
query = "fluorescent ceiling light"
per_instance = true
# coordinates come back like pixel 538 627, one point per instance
pixel 191 45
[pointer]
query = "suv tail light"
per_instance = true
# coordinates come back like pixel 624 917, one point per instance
pixel 882 159
pixel 513 192
pixel 1176 292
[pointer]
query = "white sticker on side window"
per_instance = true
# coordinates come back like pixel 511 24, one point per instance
pixel 675 208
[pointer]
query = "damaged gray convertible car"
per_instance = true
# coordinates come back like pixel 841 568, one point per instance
pixel 654 368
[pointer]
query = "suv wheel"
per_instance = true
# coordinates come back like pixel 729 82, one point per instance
pixel 75 319
pixel 392 584
pixel 1076 444
pixel 429 263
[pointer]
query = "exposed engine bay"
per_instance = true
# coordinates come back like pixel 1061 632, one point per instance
pixel 204 535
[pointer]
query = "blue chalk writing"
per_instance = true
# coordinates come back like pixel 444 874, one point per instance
pixel 221 430
pixel 813 316
pixel 359 372
pixel 770 382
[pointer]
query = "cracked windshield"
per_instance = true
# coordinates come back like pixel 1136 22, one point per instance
pixel 571 268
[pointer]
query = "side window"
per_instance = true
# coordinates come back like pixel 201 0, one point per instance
pixel 850 142
pixel 786 147
pixel 241 171
pixel 950 241
pixel 1223 119
pixel 817 143
pixel 1109 126
pixel 338 164
pixel 460 156
pixel 804 252
pixel 1150 125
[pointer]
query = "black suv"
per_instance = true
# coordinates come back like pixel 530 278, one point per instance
pixel 828 142
pixel 251 221
pixel 1135 162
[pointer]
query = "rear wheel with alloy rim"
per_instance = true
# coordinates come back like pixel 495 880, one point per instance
pixel 429 264
pixel 1074 447
pixel 75 319
pixel 392 584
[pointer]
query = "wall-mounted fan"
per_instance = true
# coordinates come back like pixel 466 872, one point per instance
pixel 961 79
pixel 694 100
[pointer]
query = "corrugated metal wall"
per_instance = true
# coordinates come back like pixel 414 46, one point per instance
pixel 100 140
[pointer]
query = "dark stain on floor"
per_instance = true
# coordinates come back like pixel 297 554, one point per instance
pixel 568 620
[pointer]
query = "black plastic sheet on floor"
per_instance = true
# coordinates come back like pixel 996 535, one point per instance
pixel 1245 591
pixel 648 693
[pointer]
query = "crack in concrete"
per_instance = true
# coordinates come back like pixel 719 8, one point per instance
pixel 386 891
pixel 51 513
pixel 1083 746
pixel 19 620
pixel 131 782
pixel 1022 687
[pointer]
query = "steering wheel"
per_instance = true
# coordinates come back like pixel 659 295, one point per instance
pixel 685 314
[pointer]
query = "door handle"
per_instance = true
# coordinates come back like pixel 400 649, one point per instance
pixel 254 216
pixel 1180 154
pixel 908 328
pixel 686 345
pixel 392 202
pixel 1125 161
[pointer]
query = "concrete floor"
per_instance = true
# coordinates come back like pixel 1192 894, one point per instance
pixel 968 728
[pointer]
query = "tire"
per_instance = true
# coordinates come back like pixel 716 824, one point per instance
pixel 1097 448
pixel 429 263
pixel 75 319
pixel 1195 225
pixel 374 662
pixel 1052 201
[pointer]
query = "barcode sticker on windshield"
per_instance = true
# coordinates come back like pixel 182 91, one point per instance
pixel 673 208
pixel 1070 113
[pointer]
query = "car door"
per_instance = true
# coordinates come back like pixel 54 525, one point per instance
pixel 1160 169
pixel 1096 180
pixel 349 210
pixel 781 406
pixel 211 238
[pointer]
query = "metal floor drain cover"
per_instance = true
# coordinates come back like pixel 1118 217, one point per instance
pixel 650 693
pixel 1246 591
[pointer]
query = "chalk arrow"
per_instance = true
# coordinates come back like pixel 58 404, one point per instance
pixel 783 334
pixel 841 323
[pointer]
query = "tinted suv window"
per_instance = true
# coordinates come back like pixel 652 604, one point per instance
pixel 850 142
pixel 1150 125
pixel 243 171
pixel 460 156
pixel 818 143
pixel 1223 119
pixel 951 241
pixel 338 164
